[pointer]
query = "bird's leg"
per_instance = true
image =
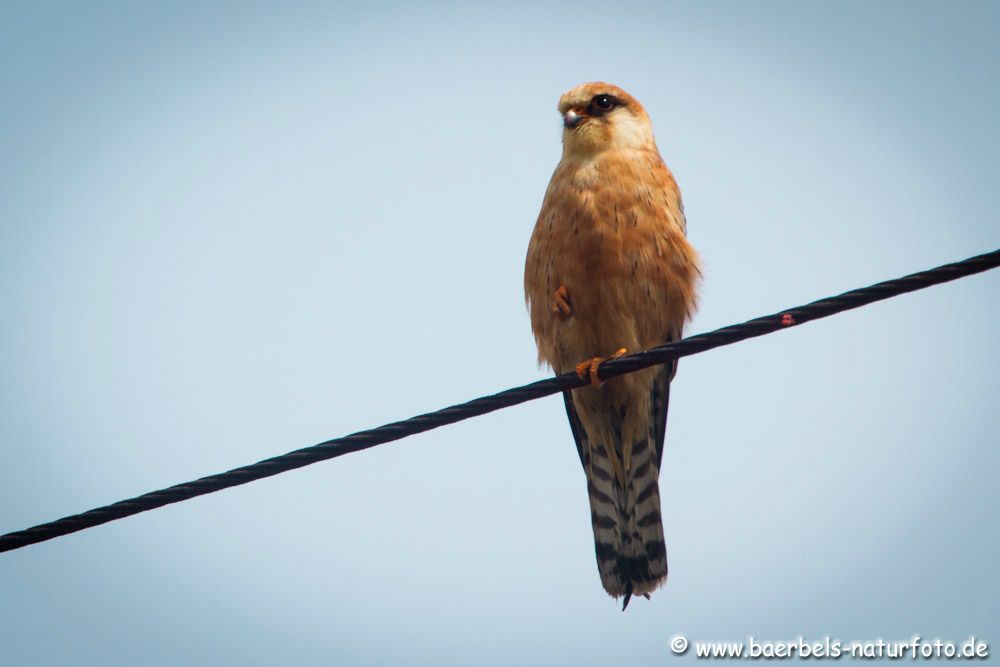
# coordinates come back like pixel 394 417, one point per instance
pixel 587 370
pixel 560 305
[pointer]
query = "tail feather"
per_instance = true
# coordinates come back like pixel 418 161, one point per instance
pixel 628 530
pixel 619 442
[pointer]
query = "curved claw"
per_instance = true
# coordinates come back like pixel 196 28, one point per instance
pixel 560 304
pixel 587 370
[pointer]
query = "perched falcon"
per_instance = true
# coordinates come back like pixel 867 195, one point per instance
pixel 609 269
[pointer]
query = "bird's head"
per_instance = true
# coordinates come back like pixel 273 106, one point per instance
pixel 599 116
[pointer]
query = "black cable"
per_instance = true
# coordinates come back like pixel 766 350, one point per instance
pixel 397 430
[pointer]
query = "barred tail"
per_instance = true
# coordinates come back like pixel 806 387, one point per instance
pixel 619 439
pixel 628 530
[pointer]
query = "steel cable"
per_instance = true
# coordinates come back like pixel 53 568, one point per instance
pixel 480 406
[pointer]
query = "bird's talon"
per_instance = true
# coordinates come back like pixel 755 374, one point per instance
pixel 560 305
pixel 587 370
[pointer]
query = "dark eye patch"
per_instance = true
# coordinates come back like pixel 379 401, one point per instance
pixel 602 104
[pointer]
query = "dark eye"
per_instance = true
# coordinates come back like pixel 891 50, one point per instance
pixel 602 102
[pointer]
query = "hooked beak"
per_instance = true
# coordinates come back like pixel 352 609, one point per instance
pixel 572 118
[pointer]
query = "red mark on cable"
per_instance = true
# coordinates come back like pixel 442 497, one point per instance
pixel 787 320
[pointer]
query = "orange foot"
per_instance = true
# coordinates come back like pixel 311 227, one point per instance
pixel 561 303
pixel 588 369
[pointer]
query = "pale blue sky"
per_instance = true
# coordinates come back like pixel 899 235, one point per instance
pixel 230 232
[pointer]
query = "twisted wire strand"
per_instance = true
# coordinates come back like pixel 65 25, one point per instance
pixel 394 431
